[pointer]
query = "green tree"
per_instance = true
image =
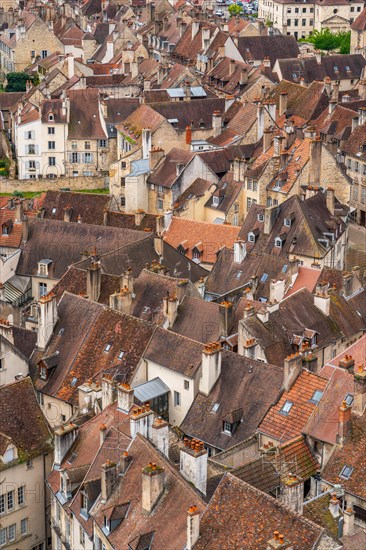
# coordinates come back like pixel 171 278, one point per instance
pixel 17 81
pixel 235 10
pixel 326 40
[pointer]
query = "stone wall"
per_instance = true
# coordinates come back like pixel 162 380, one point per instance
pixel 74 184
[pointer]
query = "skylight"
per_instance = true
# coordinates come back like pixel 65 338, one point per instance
pixel 108 347
pixel 264 278
pixel 284 269
pixel 349 399
pixel 73 381
pixel 346 472
pixel 121 354
pixel 286 407
pixel 215 408
pixel 316 396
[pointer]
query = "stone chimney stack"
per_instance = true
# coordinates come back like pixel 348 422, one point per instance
pixel 141 421
pixel 292 369
pixel 152 485
pixel 170 309
pixel 47 319
pixel 359 405
pixel 344 423
pixel 193 463
pixel 240 251
pixel 127 279
pixel 293 493
pixel 93 281
pixel 18 210
pixel 270 216
pixel 160 436
pixel 210 367
pixel 267 138
pixel 334 506
pixel 283 103
pixel 226 312
pixel 64 439
pixel 109 391
pixel 67 213
pixel 25 229
pixel 216 123
pixel 193 527
pixel 159 225
pixel 348 522
pixel 277 290
pixel 102 434
pixel 315 161
pixel 121 301
pixel 109 479
pixel 322 299
pixel 125 397
pixel 330 200
pixel 146 143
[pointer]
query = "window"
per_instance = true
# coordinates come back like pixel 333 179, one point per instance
pixel 74 158
pixel 186 384
pixel 236 208
pixel 346 472
pixel 215 201
pixel 51 130
pixel 363 195
pixel 303 22
pixel 278 243
pixel 102 143
pixel 51 118
pixel 316 397
pixel 2 504
pixel 21 495
pixel 159 204
pixel 10 500
pixel 29 134
pixel 123 164
pixel 286 407
pixel 260 217
pixel 5 229
pixel 24 526
pixel 296 10
pixel 52 145
pixel 88 158
pixel 87 145
pixel 349 399
pixel 251 237
pixel 228 427
pixel 296 22
pixel 32 164
pixel 123 182
pixel 264 278
pixel 29 463
pixel 303 10
pixel 84 501
pixel 215 408
pixel 287 222
pixel 123 201
pixel 74 145
pixel 51 161
pixel 9 455
pixel 42 289
pixel 44 53
pixel 108 347
pixel 43 373
pixel 176 399
pixel 82 536
pixel 30 149
pixel 289 22
pixel 2 537
pixel 355 193
pixel 121 354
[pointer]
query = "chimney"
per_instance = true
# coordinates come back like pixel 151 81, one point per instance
pixel 292 368
pixel 354 123
pixel 243 77
pixel 156 154
pixel 70 66
pixel 283 103
pixel 279 542
pixel 152 485
pixel 93 281
pixel 270 216
pixel 193 463
pixel 263 314
pixel 195 28
pixel 159 225
pixel 127 279
pixel 121 301
pixel 201 287
pixel 187 90
pixel 210 367
pixel 159 244
pixel 293 493
pixel 330 200
pixel 170 309
pixel 260 121
pixel 322 302
pixel 226 312
pixel 160 436
pixel 334 506
pixel 277 290
pixel 267 139
pixel 347 362
pixel 139 216
pixel 47 319
pixel 359 404
pixel 102 434
pixel 67 213
pixel 146 143
pixel 18 211
pixel 147 85
pixel 25 229
pixel 232 66
pixel 193 527
pixel 64 439
pixel 188 135
pixel 141 420
pixel 332 105
pixel 109 391
pixel 240 251
pixel 344 423
pixel 216 123
pixel 150 12
pixel 348 522
pixel 362 89
pixel 125 397
pixel 315 161
pixel 109 480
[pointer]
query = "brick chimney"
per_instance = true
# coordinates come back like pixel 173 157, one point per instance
pixel 121 301
pixel 127 279
pixel 47 319
pixel 279 541
pixel 226 312
pixel 125 397
pixel 193 527
pixel 152 485
pixel 64 439
pixel 292 369
pixel 68 213
pixel 359 404
pixel 347 362
pixel 109 479
pixel 293 493
pixel 210 367
pixel 334 506
pixel 344 423
pixel 348 522
pixel 188 135
pixel 109 391
pixel 93 281
pixel 141 421
pixel 193 463
pixel 160 436
pixel 170 309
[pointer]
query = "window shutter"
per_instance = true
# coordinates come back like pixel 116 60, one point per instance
pixel 27 165
pixel 26 150
pixel 83 158
pixel 36 149
pixel 37 165
pixel 33 134
pixel 25 135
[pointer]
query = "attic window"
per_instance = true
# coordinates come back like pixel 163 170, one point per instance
pixel 286 407
pixel 215 201
pixel 251 237
pixel 107 348
pixel 215 408
pixel 347 68
pixel 121 354
pixel 54 210
pixel 43 373
pixel 349 399
pixel 287 222
pixel 227 427
pixel 346 472
pixel 51 117
pixel 278 242
pixel 260 217
pixel 5 229
pixel 335 67
pixel 316 397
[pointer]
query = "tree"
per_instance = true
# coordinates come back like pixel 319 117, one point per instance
pixel 16 82
pixel 326 40
pixel 235 10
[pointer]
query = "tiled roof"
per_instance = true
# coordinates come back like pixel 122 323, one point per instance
pixel 306 278
pixel 257 48
pixel 210 236
pixel 85 118
pixel 25 426
pixel 196 113
pixel 254 516
pixel 305 102
pixel 318 511
pixel 260 473
pixel 166 172
pixel 286 426
pixel 357 351
pixel 359 24
pixel 88 206
pixel 74 282
pixel 199 320
pixel 336 67
pixel 296 457
pixel 8 223
pixel 351 454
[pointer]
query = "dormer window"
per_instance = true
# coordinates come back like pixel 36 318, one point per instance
pixel 260 217
pixel 84 511
pixel 251 237
pixel 51 117
pixel 287 222
pixel 121 354
pixel 5 229
pixel 227 427
pixel 43 372
pixel 278 242
pixel 43 267
pixel 215 201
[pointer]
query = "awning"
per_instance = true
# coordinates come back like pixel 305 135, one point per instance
pixel 150 390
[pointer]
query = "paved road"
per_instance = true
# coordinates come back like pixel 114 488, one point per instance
pixel 356 254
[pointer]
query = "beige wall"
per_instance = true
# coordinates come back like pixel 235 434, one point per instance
pixel 56 411
pixel 38 37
